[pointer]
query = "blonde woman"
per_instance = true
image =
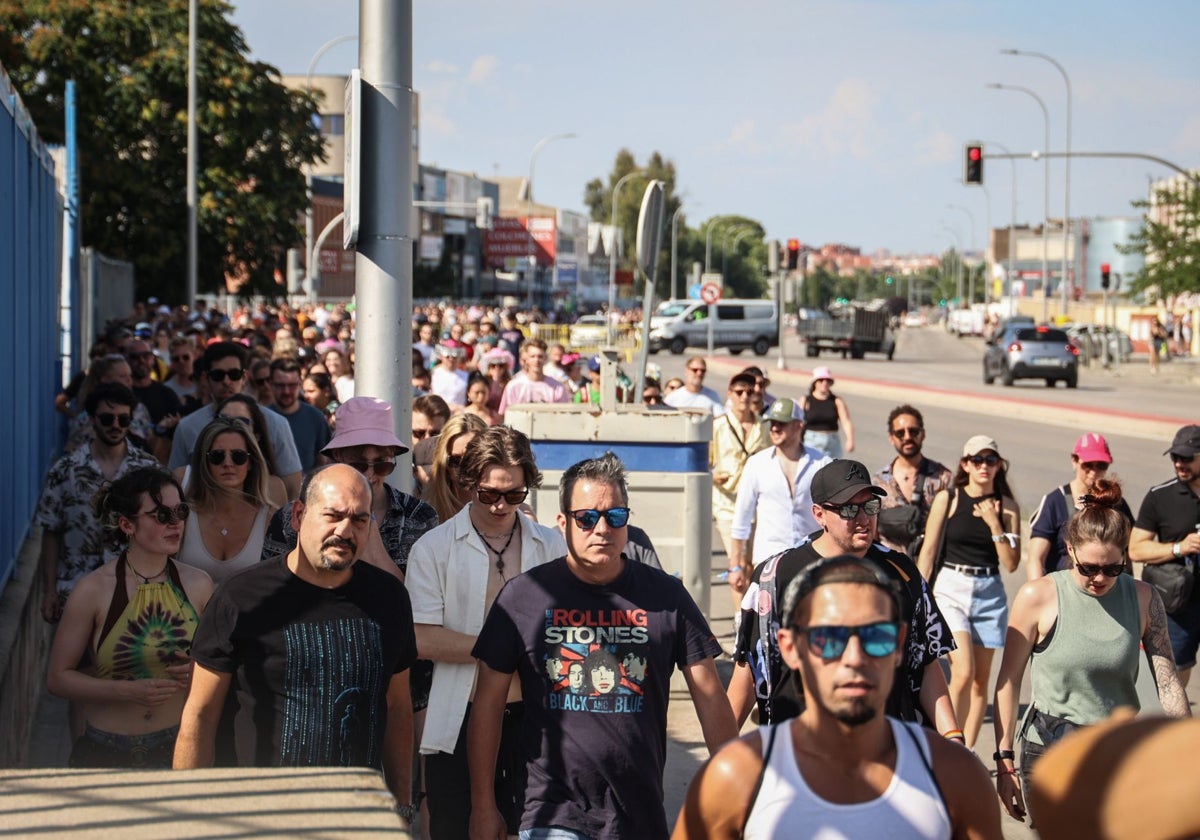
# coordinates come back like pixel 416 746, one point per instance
pixel 445 491
pixel 228 490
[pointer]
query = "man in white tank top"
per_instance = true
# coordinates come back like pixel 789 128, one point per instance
pixel 842 769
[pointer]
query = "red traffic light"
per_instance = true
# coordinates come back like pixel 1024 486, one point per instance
pixel 974 153
pixel 973 164
pixel 793 254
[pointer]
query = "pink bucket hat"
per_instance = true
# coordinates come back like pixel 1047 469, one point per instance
pixel 822 373
pixel 365 421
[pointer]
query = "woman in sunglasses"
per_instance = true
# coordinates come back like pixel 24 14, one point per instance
pixel 973 529
pixel 446 490
pixel 1079 630
pixel 245 410
pixel 229 489
pixel 133 619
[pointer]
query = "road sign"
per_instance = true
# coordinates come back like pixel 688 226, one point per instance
pixel 710 293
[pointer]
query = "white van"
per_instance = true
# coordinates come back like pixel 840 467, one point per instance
pixel 738 324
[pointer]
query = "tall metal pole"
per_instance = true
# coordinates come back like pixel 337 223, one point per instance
pixel 193 243
pixel 383 261
pixel 1067 178
pixel 970 277
pixel 708 246
pixel 1012 227
pixel 1045 202
pixel 310 256
pixel 958 261
pixel 529 209
pixel 612 257
pixel 674 245
pixel 740 231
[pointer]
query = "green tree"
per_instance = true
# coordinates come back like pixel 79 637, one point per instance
pixel 129 63
pixel 1169 241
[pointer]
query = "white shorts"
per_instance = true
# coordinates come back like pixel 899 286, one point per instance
pixel 973 604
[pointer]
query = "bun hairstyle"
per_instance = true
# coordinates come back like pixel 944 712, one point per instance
pixel 123 499
pixel 1100 520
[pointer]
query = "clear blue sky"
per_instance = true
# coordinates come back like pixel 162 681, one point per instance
pixel 828 121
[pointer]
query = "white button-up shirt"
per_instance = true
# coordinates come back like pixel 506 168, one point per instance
pixel 447 579
pixel 784 514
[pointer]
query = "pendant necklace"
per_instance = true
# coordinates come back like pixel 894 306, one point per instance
pixel 142 576
pixel 500 554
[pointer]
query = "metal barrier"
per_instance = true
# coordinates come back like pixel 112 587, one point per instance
pixel 588 341
pixel 30 261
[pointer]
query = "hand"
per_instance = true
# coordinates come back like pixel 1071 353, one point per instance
pixel 181 671
pixel 739 579
pixel 720 478
pixel 989 511
pixel 154 692
pixel 51 606
pixel 1190 544
pixel 169 421
pixel 487 824
pixel 1008 786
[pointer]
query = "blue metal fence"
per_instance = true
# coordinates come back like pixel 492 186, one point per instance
pixel 30 276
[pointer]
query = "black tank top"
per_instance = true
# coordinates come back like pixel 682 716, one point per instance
pixel 968 538
pixel 821 415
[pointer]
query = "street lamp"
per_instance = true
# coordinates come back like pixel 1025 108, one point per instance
pixel 1012 224
pixel 712 225
pixel 970 277
pixel 741 231
pixel 958 283
pixel 1045 201
pixel 529 209
pixel 1067 187
pixel 310 255
pixel 674 236
pixel 612 257
pixel 193 242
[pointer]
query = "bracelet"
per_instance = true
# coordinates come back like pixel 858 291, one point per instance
pixel 1011 538
pixel 1011 772
pixel 954 734
pixel 1176 549
pixel 733 569
pixel 1004 755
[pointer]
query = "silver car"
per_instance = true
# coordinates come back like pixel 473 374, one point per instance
pixel 1021 351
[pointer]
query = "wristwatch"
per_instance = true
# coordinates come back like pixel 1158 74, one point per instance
pixel 1004 755
pixel 406 811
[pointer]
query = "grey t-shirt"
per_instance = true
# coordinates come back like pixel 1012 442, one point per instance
pixel 189 428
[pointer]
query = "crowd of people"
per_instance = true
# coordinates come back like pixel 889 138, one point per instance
pixel 236 583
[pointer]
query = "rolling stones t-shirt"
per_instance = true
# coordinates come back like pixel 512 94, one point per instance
pixel 595 665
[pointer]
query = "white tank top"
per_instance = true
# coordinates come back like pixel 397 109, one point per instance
pixel 786 806
pixel 194 553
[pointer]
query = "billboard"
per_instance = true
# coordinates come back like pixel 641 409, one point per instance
pixel 509 239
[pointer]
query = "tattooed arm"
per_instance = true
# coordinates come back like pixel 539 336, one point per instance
pixel 1158 651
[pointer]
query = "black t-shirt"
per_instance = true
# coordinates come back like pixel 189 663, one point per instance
pixel 595 665
pixel 311 666
pixel 1170 511
pixel 159 400
pixel 929 637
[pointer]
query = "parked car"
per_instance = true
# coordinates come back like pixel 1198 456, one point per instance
pixel 1024 352
pixel 1089 338
pixel 589 330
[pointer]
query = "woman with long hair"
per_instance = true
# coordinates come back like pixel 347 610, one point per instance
pixel 445 491
pixel 1079 630
pixel 320 394
pixel 972 531
pixel 135 616
pixel 337 363
pixel 228 488
pixel 479 391
pixel 826 417
pixel 245 410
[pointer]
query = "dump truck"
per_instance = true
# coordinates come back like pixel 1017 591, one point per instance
pixel 853 333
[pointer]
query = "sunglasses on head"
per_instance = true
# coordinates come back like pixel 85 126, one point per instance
pixel 381 468
pixel 216 457
pixel 980 460
pixel 488 496
pixel 218 375
pixel 908 431
pixel 169 515
pixel 588 518
pixel 849 511
pixel 829 642
pixel 107 418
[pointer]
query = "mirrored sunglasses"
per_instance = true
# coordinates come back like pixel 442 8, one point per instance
pixel 849 511
pixel 588 518
pixel 829 641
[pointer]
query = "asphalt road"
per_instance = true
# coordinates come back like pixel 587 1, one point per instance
pixel 1034 426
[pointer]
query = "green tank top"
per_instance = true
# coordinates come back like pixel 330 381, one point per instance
pixel 1090 664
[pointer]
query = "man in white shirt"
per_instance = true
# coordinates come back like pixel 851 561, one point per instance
pixel 693 394
pixel 449 380
pixel 775 493
pixel 455 572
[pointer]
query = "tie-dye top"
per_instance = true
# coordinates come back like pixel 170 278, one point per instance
pixel 141 642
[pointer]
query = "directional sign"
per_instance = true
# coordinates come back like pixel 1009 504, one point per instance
pixel 710 293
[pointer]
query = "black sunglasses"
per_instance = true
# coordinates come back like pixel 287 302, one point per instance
pixel 912 432
pixel 107 418
pixel 491 497
pixel 1094 466
pixel 381 468
pixel 216 457
pixel 829 642
pixel 1089 570
pixel 980 460
pixel 849 511
pixel 235 375
pixel 588 518
pixel 169 515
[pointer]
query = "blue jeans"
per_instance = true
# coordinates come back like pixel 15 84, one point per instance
pixel 551 833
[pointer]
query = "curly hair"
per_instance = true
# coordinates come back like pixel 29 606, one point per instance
pixel 122 499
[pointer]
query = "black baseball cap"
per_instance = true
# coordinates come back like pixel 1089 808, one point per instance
pixel 1186 443
pixel 840 481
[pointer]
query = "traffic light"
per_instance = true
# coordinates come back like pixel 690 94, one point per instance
pixel 793 254
pixel 1105 276
pixel 973 164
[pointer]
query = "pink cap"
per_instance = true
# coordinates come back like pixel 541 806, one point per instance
pixel 1092 447
pixel 822 373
